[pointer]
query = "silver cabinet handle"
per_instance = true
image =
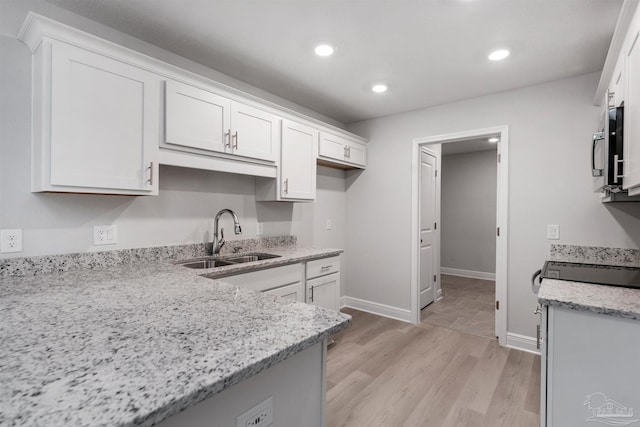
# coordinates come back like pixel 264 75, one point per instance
pixel 235 145
pixel 150 180
pixel 538 337
pixel 312 294
pixel 345 152
pixel 326 267
pixel 597 137
pixel 286 186
pixel 348 152
pixel 228 139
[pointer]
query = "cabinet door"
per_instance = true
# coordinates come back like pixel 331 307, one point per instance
pixel 324 291
pixel 592 369
pixel 196 118
pixel 331 146
pixel 254 132
pixel 293 291
pixel 104 122
pixel 632 111
pixel 298 162
pixel 356 153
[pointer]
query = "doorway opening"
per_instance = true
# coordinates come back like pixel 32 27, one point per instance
pixel 475 226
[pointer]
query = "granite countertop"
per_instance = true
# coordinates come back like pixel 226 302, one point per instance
pixel 287 255
pixel 610 300
pixel 134 344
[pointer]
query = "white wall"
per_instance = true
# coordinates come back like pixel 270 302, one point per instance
pixel 468 211
pixel 550 127
pixel 182 213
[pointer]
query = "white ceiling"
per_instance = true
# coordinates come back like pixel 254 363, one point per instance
pixel 430 52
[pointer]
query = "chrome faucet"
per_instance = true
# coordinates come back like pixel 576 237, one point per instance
pixel 219 243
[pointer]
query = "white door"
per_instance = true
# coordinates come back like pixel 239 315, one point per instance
pixel 254 132
pixel 324 291
pixel 427 276
pixel 197 118
pixel 298 166
pixel 104 121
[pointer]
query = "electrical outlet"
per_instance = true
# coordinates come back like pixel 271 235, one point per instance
pixel 260 415
pixel 553 232
pixel 259 229
pixel 105 234
pixel 329 224
pixel 11 240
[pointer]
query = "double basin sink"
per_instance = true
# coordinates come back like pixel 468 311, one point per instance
pixel 212 262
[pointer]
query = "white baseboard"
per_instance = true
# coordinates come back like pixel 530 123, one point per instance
pixel 468 273
pixel 522 342
pixel 376 308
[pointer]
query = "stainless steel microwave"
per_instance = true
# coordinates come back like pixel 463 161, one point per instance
pixel 607 161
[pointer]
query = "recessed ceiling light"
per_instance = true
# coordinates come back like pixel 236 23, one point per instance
pixel 324 50
pixel 494 139
pixel 379 88
pixel 499 54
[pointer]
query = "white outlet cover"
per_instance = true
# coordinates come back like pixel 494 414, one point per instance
pixel 329 224
pixel 105 234
pixel 11 240
pixel 260 415
pixel 259 229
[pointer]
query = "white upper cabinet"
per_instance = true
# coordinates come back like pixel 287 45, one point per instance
pixel 201 119
pixel 254 132
pixel 340 150
pixel 298 161
pixel 96 123
pixel 296 180
pixel 631 124
pixel 196 118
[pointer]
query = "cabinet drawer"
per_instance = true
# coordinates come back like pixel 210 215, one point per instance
pixel 270 278
pixel 322 267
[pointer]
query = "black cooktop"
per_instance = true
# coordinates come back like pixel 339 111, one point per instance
pixel 628 277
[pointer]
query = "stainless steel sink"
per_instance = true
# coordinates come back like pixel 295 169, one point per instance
pixel 207 263
pixel 216 262
pixel 252 258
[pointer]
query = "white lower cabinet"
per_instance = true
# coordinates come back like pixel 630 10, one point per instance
pixel 95 123
pixel 590 369
pixel 295 291
pixel 283 281
pixel 323 282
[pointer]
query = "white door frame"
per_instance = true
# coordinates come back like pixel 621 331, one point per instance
pixel 501 218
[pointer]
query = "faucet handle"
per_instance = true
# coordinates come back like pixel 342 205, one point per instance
pixel 222 241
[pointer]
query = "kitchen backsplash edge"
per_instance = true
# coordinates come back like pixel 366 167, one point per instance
pixel 595 255
pixel 45 264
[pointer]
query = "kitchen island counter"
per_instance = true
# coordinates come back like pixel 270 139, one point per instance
pixel 135 344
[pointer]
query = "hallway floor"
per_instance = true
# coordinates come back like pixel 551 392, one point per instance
pixel 384 372
pixel 467 306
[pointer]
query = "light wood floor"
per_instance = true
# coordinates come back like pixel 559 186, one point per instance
pixel 467 306
pixel 384 372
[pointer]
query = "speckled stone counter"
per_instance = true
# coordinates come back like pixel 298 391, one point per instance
pixel 610 300
pixel 134 344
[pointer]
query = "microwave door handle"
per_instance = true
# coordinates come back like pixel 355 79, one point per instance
pixel 597 137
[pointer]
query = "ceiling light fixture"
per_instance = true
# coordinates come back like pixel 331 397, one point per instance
pixel 379 88
pixel 499 54
pixel 324 50
pixel 494 139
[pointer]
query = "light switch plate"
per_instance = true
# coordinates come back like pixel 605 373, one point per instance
pixel 329 224
pixel 259 229
pixel 553 232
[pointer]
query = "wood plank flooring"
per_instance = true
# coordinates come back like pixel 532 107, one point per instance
pixel 384 372
pixel 467 306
